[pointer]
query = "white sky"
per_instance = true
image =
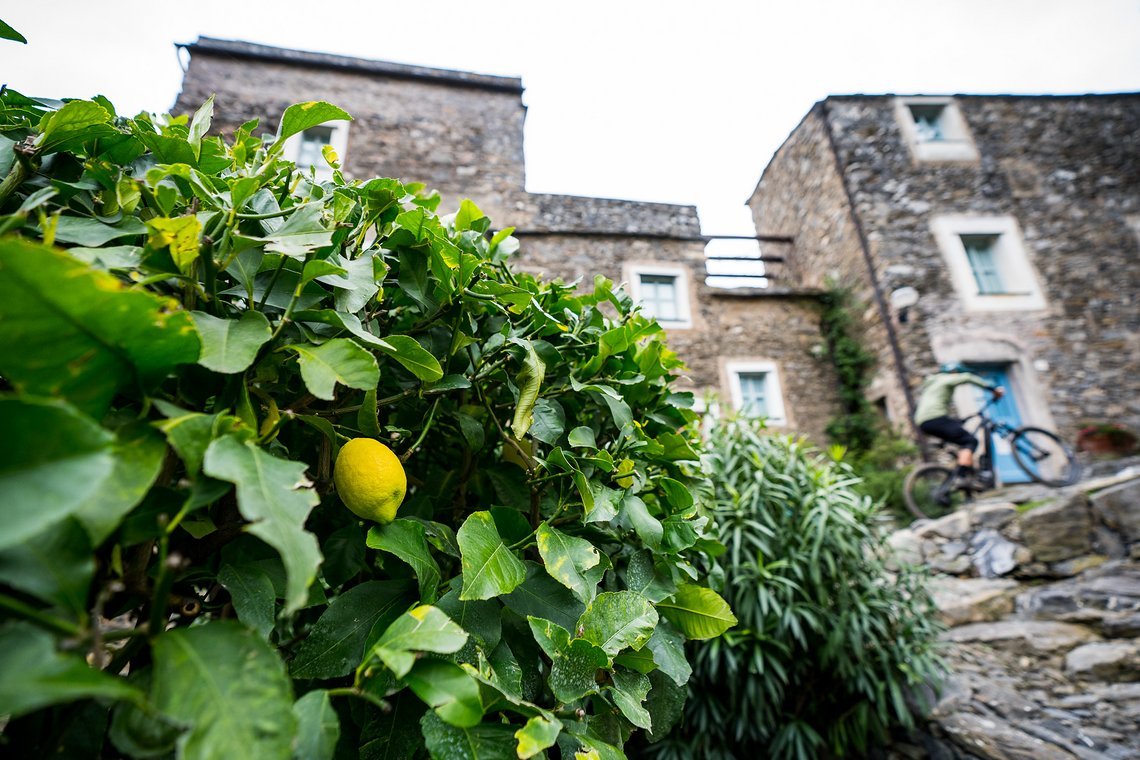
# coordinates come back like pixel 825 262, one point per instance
pixel 680 102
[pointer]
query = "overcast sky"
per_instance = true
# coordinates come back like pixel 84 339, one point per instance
pixel 682 102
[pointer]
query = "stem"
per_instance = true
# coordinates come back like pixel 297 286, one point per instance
pixel 15 178
pixel 161 588
pixel 423 433
pixel 31 614
pixel 285 318
pixel 274 214
pixel 272 282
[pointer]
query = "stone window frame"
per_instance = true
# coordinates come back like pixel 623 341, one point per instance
pixel 777 408
pixel 957 145
pixel 1016 270
pixel 633 273
pixel 338 139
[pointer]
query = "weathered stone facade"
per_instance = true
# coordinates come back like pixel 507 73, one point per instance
pixel 1063 175
pixel 462 134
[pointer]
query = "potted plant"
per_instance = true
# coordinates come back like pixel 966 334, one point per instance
pixel 1107 438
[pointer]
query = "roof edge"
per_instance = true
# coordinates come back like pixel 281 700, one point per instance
pixel 257 51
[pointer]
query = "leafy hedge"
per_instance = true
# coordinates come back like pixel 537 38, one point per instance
pixel 832 648
pixel 190 328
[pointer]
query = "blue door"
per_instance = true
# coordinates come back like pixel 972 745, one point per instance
pixel 1004 410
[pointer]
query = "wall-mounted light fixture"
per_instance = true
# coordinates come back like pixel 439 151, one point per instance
pixel 902 299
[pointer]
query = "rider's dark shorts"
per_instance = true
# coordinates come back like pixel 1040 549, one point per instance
pixel 950 429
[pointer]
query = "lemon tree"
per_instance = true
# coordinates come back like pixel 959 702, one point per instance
pixel 214 365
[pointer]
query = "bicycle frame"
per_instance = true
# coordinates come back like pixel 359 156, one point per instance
pixel 988 427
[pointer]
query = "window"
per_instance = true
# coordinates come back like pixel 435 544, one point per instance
pixel 306 148
pixel 980 253
pixel 928 122
pixel 987 263
pixel 663 292
pixel 659 296
pixel 755 388
pixel 935 130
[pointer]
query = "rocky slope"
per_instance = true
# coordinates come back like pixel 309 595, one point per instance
pixel 1040 590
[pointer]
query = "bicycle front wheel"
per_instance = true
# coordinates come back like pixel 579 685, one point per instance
pixel 1045 457
pixel 930 491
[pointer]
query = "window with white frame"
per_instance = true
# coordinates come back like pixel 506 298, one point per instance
pixel 987 262
pixel 306 149
pixel 935 129
pixel 663 293
pixel 755 388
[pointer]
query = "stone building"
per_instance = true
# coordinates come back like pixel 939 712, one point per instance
pixel 462 134
pixel 1013 220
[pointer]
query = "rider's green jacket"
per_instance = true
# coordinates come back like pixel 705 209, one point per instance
pixel 938 391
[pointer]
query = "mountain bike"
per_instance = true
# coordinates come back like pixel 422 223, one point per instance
pixel 933 489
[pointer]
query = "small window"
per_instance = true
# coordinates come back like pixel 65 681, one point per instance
pixel 307 148
pixel 755 389
pixel 981 252
pixel 754 393
pixel 313 142
pixel 659 296
pixel 928 122
pixel 988 262
pixel 935 130
pixel 662 290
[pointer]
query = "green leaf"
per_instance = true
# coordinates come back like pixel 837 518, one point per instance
pixel 422 629
pixel 56 566
pixel 230 345
pixel 200 125
pixel 190 433
pixel 253 596
pixel 321 268
pixel 485 741
pixel 677 448
pixel 359 284
pixel 302 232
pixel 698 612
pixel 414 357
pixel 529 380
pixel 666 704
pixel 180 236
pixel 538 734
pixel 634 514
pixel 8 33
pixel 668 650
pixel 301 116
pixel 77 120
pixel 335 646
pixel 407 540
pixel 85 231
pixel 52 460
pixel 274 495
pixel 88 340
pixel 449 689
pixel 229 686
pixel 338 361
pixel 482 619
pixel 35 675
pixel 568 560
pixel 318 727
pixel 574 662
pixel 629 693
pixel 582 437
pixel 139 452
pixel 549 421
pixel 489 567
pixel 618 619
pixel 541 596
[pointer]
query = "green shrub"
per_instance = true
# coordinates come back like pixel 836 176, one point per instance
pixel 177 375
pixel 830 645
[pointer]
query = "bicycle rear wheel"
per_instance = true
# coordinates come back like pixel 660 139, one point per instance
pixel 1045 457
pixel 930 491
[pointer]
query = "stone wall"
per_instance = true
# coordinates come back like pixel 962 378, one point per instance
pixel 1068 170
pixel 801 194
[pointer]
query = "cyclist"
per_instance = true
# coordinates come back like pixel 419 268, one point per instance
pixel 933 413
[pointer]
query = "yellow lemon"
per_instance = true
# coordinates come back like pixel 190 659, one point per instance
pixel 370 479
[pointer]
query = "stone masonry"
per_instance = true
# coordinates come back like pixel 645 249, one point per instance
pixel 1065 169
pixel 462 134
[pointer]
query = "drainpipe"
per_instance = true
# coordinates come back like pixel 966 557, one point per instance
pixel 876 289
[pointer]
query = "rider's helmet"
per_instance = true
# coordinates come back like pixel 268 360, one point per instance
pixel 949 367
